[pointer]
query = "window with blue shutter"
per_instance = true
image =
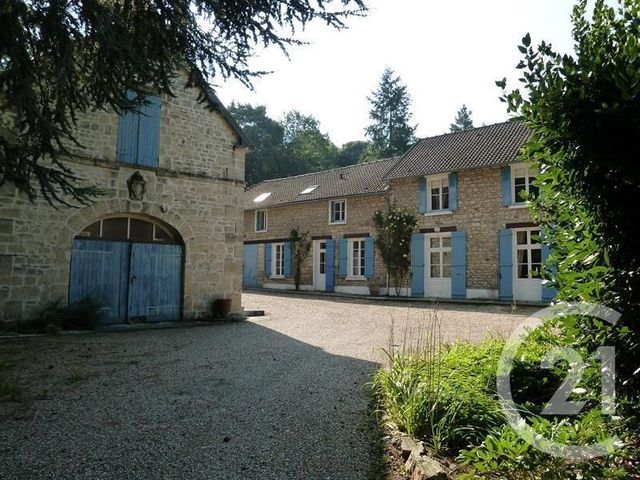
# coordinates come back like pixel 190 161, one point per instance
pixel 369 257
pixel 459 264
pixel 342 257
pixel 417 265
pixel 422 194
pixel 267 259
pixel 505 253
pixel 438 193
pixel 328 266
pixel 453 191
pixel 138 140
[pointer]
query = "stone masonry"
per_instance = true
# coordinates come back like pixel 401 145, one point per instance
pixel 197 189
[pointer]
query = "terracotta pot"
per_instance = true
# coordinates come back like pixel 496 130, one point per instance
pixel 221 307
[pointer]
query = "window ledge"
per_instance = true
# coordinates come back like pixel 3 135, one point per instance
pixel 260 231
pixel 517 205
pixel 356 279
pixel 338 223
pixel 278 277
pixel 437 213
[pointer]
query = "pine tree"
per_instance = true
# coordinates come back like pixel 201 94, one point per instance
pixel 60 59
pixel 390 131
pixel 463 120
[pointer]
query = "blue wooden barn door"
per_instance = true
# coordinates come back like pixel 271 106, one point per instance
pixel 155 282
pixel 250 266
pixel 100 270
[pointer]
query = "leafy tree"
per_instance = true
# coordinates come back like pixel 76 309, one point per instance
pixel 268 158
pixel 462 121
pixel 300 249
pixel 394 228
pixel 583 111
pixel 60 59
pixel 351 153
pixel 308 149
pixel 390 131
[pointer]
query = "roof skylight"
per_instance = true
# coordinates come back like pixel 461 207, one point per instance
pixel 262 197
pixel 308 189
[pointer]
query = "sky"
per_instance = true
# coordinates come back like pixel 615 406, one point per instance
pixel 447 52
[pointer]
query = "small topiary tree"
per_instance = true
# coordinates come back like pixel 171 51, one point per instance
pixel 300 249
pixel 394 228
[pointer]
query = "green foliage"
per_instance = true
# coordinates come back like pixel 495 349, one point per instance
pixel 462 121
pixel 81 315
pixel 394 228
pixel 309 149
pixel 352 153
pixel 63 59
pixel 300 249
pixel 583 111
pixel 390 131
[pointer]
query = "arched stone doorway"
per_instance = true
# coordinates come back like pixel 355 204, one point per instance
pixel 131 266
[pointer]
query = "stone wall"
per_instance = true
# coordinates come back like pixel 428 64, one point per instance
pixel 197 189
pixel 313 216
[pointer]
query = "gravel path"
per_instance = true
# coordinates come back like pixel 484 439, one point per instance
pixel 278 397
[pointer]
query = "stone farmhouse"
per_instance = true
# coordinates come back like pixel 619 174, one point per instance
pixel 165 238
pixel 476 239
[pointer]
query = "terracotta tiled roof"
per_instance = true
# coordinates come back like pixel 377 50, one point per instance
pixel 491 145
pixel 359 179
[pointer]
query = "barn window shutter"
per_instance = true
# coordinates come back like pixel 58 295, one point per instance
pixel 342 257
pixel 417 265
pixel 422 194
pixel 505 252
pixel 149 133
pixel 127 142
pixel 287 259
pixel 548 292
pixel 328 266
pixel 506 185
pixel 453 191
pixel 459 264
pixel 267 259
pixel 369 257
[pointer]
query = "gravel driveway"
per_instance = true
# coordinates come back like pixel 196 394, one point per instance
pixel 279 397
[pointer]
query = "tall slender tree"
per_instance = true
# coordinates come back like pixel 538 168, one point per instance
pixel 390 131
pixel 462 121
pixel 60 59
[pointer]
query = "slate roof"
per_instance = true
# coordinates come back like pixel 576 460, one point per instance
pixel 359 179
pixel 486 146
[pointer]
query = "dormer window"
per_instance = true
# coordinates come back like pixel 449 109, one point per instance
pixel 308 190
pixel 262 197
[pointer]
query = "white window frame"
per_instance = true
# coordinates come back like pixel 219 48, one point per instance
pixel 275 264
pixel 444 179
pixel 527 172
pixel 362 258
pixel 340 222
pixel 529 247
pixel 255 223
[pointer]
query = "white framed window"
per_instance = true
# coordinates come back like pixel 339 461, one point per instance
pixel 522 178
pixel 338 211
pixel 528 253
pixel 356 258
pixel 277 259
pixel 438 193
pixel 439 256
pixel 261 220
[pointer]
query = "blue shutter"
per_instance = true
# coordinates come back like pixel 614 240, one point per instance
pixel 506 185
pixel 250 266
pixel 127 142
pixel 459 264
pixel 417 265
pixel 453 191
pixel 369 259
pixel 287 259
pixel 505 252
pixel 548 292
pixel 149 133
pixel 267 259
pixel 422 194
pixel 329 258
pixel 342 257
